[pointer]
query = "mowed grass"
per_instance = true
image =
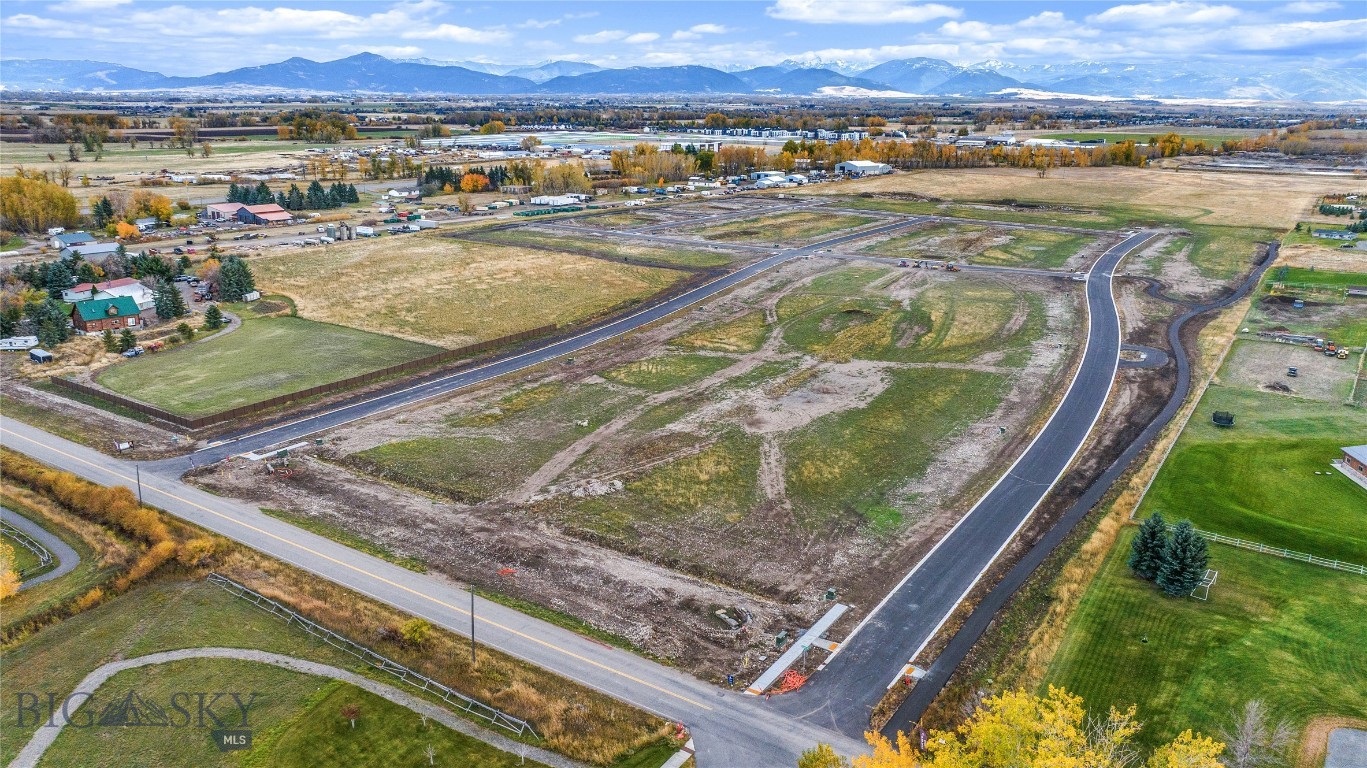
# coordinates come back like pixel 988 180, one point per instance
pixel 744 334
pixel 797 226
pixel 1287 633
pixel 1222 253
pixel 386 735
pixel 264 358
pixel 985 245
pixel 844 466
pixel 448 292
pixel 666 372
pixel 614 248
pixel 1257 480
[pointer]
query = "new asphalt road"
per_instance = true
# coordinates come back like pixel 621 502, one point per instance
pixel 842 695
pixel 730 729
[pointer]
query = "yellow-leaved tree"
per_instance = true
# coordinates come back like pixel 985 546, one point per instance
pixel 9 575
pixel 1022 730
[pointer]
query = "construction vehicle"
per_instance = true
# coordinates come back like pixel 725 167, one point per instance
pixel 903 263
pixel 952 268
pixel 1343 354
pixel 1330 349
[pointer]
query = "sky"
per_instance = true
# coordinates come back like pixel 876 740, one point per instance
pixel 196 37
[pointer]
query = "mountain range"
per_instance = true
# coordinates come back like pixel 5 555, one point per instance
pixel 370 73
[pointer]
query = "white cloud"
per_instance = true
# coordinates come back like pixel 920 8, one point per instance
pixel 598 38
pixel 387 51
pixel 861 11
pixel 1169 14
pixel 457 34
pixel 539 24
pixel 85 6
pixel 641 38
pixel 1309 6
pixel 696 31
pixel 50 27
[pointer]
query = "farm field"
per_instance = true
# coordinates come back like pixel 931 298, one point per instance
pixel 1287 633
pixel 450 293
pixel 1210 138
pixel 614 248
pixel 266 357
pixel 984 245
pixel 1119 195
pixel 792 227
pixel 295 719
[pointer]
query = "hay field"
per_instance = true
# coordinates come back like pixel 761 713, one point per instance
pixel 450 292
pixel 1197 196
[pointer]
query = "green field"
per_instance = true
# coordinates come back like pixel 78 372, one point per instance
pixel 295 720
pixel 607 247
pixel 797 226
pixel 848 462
pixel 1302 236
pixel 744 334
pixel 1288 633
pixel 1222 253
pixel 24 558
pixel 984 245
pixel 264 358
pixel 1257 481
pixel 1315 277
pixel 665 372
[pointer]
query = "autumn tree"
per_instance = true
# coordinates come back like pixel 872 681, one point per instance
pixel 1022 730
pixel 9 572
pixel 474 182
pixel 147 203
pixel 351 712
pixel 822 756
pixel 529 143
pixel 492 127
pixel 29 202
pixel 415 632
pixel 125 231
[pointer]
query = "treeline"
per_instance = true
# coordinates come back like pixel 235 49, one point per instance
pixel 294 199
pixel 160 539
pixel 31 202
pixel 445 178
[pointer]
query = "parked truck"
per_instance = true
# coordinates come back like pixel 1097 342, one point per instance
pixel 365 231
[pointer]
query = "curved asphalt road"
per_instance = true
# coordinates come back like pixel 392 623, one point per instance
pixel 842 696
pixel 284 434
pixel 65 556
pixel 909 714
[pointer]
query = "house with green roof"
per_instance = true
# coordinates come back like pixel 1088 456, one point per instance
pixel 100 315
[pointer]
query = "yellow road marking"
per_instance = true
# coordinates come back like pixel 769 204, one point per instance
pixel 378 578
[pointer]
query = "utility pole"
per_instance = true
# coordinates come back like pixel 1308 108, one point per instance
pixel 472 623
pixel 137 468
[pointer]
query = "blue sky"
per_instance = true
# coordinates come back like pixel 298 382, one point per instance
pixel 193 37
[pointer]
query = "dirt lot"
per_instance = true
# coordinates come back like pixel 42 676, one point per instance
pixel 449 292
pixel 1261 365
pixel 644 489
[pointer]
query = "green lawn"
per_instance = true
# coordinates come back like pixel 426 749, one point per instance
pixel 1223 253
pixel 1316 277
pixel 12 243
pixel 1303 235
pixel 1257 480
pixel 24 558
pixel 266 357
pixel 295 720
pixel 665 372
pixel 1287 633
pixel 386 735
pixel 744 334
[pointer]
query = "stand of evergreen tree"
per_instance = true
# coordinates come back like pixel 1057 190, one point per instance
pixel 316 198
pixel 1184 561
pixel 111 344
pixel 213 318
pixel 234 279
pixel 168 301
pixel 50 322
pixel 1146 552
pixel 127 340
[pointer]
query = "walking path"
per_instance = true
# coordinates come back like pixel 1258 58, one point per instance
pixel 67 558
pixel 33 751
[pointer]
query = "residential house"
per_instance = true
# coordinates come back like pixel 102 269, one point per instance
pixel 863 168
pixel 67 239
pixel 123 287
pixel 100 315
pixel 90 251
pixel 1354 464
pixel 1357 290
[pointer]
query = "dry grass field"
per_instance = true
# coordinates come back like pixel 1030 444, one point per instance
pixel 449 292
pixel 1196 196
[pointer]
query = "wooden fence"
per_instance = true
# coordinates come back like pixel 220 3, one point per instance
pixel 199 422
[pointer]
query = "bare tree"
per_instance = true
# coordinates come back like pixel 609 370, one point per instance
pixel 1254 741
pixel 431 753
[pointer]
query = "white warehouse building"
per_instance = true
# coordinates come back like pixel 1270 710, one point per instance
pixel 863 168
